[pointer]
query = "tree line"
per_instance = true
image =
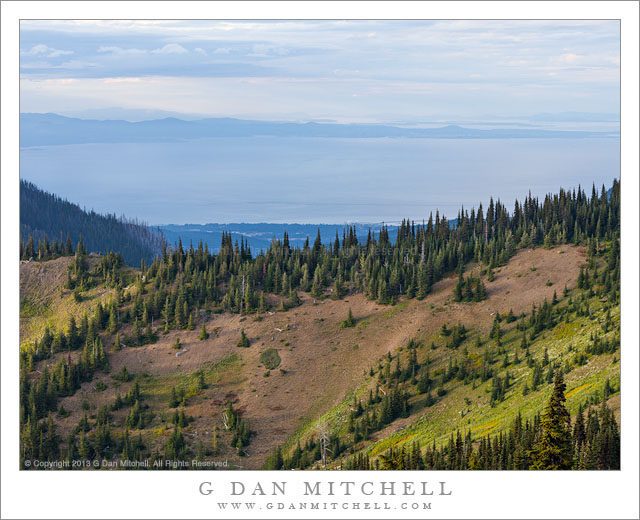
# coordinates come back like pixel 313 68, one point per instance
pixel 234 280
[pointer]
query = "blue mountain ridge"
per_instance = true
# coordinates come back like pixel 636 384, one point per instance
pixel 54 129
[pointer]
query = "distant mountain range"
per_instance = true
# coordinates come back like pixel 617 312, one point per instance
pixel 575 117
pixel 54 129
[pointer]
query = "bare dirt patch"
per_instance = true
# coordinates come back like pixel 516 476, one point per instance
pixel 320 362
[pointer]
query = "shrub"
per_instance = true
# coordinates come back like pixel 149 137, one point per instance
pixel 244 340
pixel 204 335
pixel 123 375
pixel 349 322
pixel 270 358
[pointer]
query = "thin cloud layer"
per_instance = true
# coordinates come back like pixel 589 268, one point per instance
pixel 42 50
pixel 345 70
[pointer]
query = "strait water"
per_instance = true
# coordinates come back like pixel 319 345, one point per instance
pixel 306 180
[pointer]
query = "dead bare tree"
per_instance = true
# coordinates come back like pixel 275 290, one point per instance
pixel 323 438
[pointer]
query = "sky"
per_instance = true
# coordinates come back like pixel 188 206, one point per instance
pixel 345 71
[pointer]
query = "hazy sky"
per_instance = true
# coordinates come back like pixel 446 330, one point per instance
pixel 388 71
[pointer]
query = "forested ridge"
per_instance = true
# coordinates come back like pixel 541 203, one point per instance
pixel 169 293
pixel 233 280
pixel 50 226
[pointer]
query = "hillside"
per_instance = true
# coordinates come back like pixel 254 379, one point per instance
pixel 362 355
pixel 51 221
pixel 44 302
pixel 530 278
pixel 324 365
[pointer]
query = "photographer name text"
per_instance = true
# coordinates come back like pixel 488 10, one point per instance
pixel 345 488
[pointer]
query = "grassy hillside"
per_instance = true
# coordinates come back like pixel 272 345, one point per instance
pixel 45 302
pixel 176 400
pixel 468 409
pixel 466 402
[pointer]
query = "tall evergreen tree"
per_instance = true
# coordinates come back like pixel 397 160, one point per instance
pixel 554 448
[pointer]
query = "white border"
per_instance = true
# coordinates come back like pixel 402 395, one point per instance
pixel 175 495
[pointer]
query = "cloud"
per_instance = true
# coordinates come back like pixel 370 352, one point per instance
pixel 44 50
pixel 571 58
pixel 262 50
pixel 121 80
pixel 170 48
pixel 427 58
pixel 119 50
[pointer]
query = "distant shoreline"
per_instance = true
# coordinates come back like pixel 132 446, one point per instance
pixel 54 129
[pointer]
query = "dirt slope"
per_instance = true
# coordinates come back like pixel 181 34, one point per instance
pixel 323 361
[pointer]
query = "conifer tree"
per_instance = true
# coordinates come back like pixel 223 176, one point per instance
pixel 481 292
pixel 68 248
pixel 29 250
pixel 275 460
pixel 173 399
pixel 113 325
pixel 178 315
pixel 496 331
pixel 204 335
pixel 458 288
pixel 579 434
pixel 244 340
pixel 349 322
pixel 214 443
pixel 554 449
pixel 190 325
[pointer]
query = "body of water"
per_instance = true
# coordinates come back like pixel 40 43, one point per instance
pixel 308 180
